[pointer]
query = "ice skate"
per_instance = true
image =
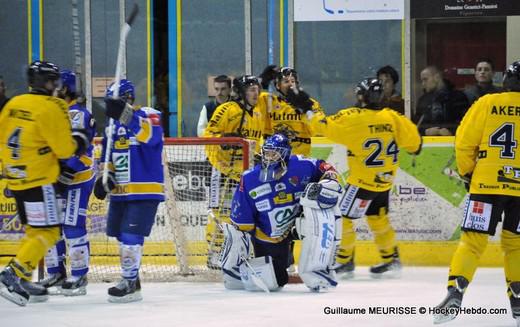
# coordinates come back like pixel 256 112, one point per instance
pixel 75 286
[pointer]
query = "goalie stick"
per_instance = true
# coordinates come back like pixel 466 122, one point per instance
pixel 125 29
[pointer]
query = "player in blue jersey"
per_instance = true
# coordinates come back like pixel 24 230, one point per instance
pixel 75 184
pixel 135 183
pixel 268 203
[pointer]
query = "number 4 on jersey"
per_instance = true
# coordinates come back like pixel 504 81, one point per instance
pixel 13 143
pixel 504 137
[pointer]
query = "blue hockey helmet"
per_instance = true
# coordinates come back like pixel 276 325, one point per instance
pixel 276 152
pixel 126 90
pixel 68 79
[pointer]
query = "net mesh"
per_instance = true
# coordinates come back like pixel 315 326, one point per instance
pixel 200 177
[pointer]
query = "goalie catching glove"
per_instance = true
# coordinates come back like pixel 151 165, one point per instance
pixel 119 110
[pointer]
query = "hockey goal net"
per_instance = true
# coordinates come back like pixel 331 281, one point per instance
pixel 180 246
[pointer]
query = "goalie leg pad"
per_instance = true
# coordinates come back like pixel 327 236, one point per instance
pixel 318 232
pixel 235 250
pixel 256 269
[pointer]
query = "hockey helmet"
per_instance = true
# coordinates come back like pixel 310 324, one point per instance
pixel 276 152
pixel 68 79
pixel 242 83
pixel 371 89
pixel 512 77
pixel 40 72
pixel 286 72
pixel 126 90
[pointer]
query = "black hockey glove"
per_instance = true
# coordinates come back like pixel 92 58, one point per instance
pixel 65 179
pixel 467 181
pixel 82 141
pixel 119 110
pixel 301 101
pixel 270 72
pixel 100 191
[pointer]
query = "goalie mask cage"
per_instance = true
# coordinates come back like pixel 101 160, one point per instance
pixel 177 248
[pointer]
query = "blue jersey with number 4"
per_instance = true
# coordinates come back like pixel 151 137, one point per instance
pixel 268 209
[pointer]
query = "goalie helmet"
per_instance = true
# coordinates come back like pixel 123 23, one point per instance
pixel 41 72
pixel 512 77
pixel 126 91
pixel 371 89
pixel 242 83
pixel 276 152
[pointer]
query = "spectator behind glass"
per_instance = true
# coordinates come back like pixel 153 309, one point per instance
pixel 391 97
pixel 222 85
pixel 484 72
pixel 441 107
pixel 3 97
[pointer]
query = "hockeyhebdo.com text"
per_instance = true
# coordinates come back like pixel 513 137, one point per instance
pixel 410 310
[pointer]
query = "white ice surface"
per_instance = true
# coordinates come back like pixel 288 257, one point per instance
pixel 209 304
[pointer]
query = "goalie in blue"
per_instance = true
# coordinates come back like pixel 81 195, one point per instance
pixel 282 192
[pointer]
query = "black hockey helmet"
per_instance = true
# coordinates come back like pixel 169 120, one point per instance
pixel 240 84
pixel 286 72
pixel 371 89
pixel 511 79
pixel 40 72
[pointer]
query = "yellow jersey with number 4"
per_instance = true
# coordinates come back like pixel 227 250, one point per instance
pixel 487 144
pixel 373 139
pixel 35 132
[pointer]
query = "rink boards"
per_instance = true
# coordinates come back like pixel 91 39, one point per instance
pixel 426 210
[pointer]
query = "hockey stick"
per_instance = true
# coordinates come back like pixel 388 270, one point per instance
pixel 125 29
pixel 80 96
pixel 418 125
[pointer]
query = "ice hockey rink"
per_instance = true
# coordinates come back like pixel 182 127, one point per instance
pixel 209 304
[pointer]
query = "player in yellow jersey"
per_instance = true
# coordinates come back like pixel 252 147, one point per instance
pixel 244 117
pixel 486 148
pixel 286 107
pixel 35 134
pixel 373 137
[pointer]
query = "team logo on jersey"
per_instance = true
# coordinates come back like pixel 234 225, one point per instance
pixel 509 174
pixel 384 177
pixel 259 191
pixel 121 131
pixel 280 187
pixel 282 198
pixel 76 119
pixel 122 144
pixel 294 180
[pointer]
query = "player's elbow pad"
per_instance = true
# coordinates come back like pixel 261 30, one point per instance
pixel 82 141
